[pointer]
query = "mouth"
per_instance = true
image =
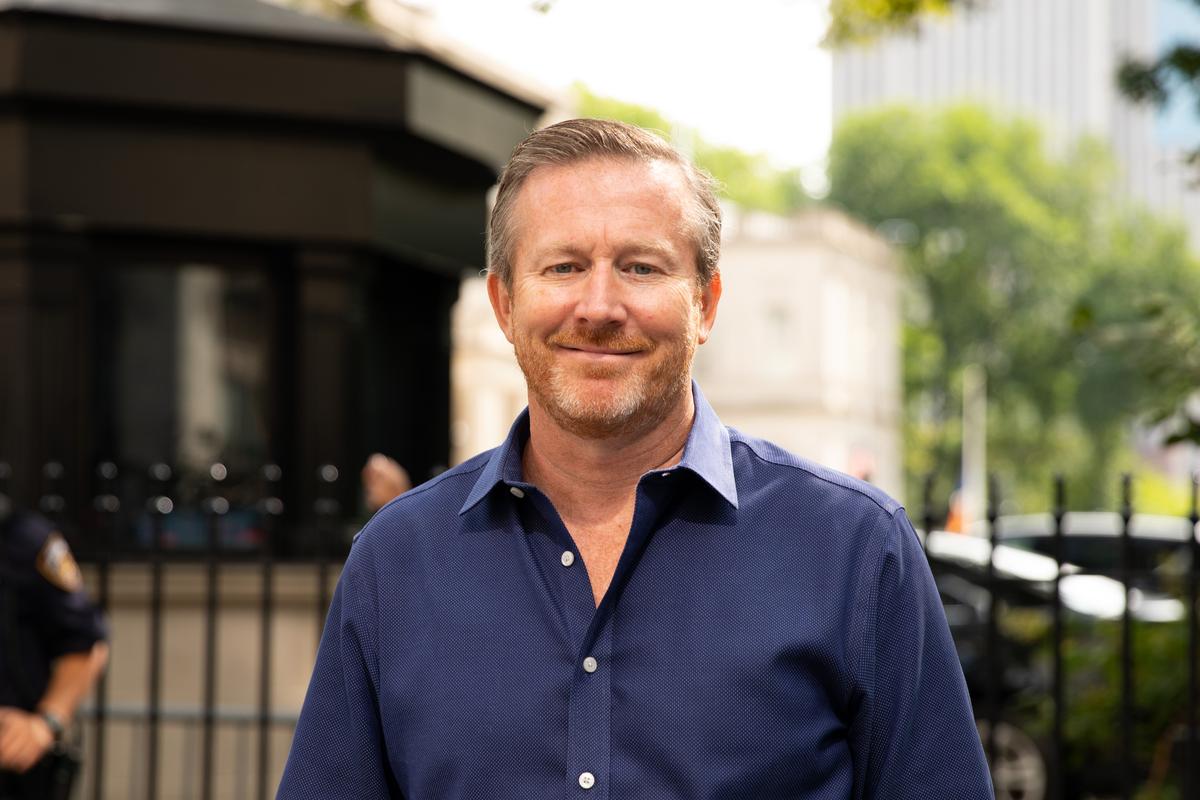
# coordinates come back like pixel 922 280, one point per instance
pixel 602 349
pixel 591 353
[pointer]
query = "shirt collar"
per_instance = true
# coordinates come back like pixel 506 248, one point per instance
pixel 706 453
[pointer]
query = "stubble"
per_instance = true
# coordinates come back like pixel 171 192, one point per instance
pixel 600 401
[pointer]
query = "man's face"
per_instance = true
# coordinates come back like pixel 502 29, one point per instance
pixel 605 310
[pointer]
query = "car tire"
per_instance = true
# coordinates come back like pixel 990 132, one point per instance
pixel 1019 767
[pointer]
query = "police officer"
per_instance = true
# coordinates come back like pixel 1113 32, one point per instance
pixel 52 650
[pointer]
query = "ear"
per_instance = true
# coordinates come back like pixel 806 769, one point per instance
pixel 710 295
pixel 501 300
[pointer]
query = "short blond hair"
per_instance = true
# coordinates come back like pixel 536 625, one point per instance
pixel 579 140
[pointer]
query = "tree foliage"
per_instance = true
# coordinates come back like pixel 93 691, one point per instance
pixel 1177 70
pixel 1015 259
pixel 748 179
pixel 1167 338
pixel 1163 337
pixel 858 20
pixel 349 10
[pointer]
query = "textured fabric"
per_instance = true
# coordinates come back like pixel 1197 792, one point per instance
pixel 39 621
pixel 772 631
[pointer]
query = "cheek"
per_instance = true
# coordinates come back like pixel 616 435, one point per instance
pixel 677 310
pixel 534 321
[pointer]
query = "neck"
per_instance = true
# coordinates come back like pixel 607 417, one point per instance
pixel 569 467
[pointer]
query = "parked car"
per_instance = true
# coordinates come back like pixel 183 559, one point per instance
pixel 1159 545
pixel 1092 597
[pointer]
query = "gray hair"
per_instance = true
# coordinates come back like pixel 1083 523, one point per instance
pixel 579 140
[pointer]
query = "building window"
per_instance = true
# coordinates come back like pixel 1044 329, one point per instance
pixel 184 366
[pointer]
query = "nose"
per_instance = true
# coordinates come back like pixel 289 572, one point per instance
pixel 601 298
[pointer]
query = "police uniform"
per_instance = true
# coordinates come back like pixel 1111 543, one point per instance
pixel 44 614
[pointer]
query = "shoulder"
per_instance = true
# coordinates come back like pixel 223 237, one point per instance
pixel 23 537
pixel 848 520
pixel 759 462
pixel 428 509
pixel 33 544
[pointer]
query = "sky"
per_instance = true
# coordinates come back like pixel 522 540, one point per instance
pixel 1178 124
pixel 749 73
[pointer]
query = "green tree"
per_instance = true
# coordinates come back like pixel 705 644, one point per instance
pixel 856 20
pixel 1167 342
pixel 748 179
pixel 1164 335
pixel 1177 70
pixel 1013 259
pixel 349 10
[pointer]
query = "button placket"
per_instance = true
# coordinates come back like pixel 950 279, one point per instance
pixel 590 720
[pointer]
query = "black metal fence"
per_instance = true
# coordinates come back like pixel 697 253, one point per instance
pixel 1046 682
pixel 1106 687
pixel 155 536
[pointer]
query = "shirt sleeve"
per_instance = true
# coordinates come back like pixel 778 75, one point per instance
pixel 338 750
pixel 914 733
pixel 64 617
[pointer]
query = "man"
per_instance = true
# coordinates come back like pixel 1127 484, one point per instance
pixel 52 650
pixel 627 599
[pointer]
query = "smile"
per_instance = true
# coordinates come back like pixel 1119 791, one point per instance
pixel 599 353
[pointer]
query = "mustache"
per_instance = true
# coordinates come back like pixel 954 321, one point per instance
pixel 606 339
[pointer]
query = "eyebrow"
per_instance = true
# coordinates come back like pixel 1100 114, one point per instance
pixel 648 248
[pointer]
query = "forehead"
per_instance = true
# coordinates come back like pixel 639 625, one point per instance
pixel 621 195
pixel 612 172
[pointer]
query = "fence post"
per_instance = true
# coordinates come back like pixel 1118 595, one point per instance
pixel 52 502
pixel 217 507
pixel 927 509
pixel 1191 783
pixel 107 506
pixel 1126 720
pixel 6 505
pixel 1060 512
pixel 992 645
pixel 158 506
pixel 271 507
pixel 326 508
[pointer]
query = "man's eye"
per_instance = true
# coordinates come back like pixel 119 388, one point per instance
pixel 641 269
pixel 563 269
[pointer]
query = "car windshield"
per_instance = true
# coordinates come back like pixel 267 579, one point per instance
pixel 1159 551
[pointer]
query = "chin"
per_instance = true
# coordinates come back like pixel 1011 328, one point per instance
pixel 597 421
pixel 595 408
pixel 602 400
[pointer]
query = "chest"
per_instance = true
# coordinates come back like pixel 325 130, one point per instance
pixel 600 544
pixel 695 653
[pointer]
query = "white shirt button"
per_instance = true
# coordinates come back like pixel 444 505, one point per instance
pixel 587 780
pixel 589 664
pixel 568 558
pixel 516 491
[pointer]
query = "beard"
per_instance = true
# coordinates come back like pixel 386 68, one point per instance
pixel 606 400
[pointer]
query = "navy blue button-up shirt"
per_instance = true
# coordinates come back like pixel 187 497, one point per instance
pixel 772 631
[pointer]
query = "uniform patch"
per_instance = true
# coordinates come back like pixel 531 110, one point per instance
pixel 57 565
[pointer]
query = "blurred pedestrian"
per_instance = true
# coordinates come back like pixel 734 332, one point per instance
pixel 383 480
pixel 52 650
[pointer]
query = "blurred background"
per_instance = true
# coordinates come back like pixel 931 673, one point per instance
pixel 240 251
